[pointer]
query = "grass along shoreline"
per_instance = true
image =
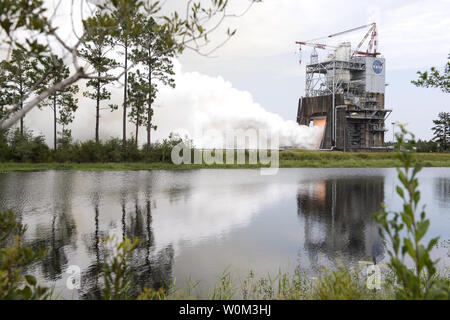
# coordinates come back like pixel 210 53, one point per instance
pixel 288 159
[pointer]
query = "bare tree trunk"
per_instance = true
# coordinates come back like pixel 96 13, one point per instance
pixel 21 107
pixel 124 142
pixel 137 128
pixel 149 128
pixel 54 121
pixel 21 119
pixel 97 116
pixel 149 110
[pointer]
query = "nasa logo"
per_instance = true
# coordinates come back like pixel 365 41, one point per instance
pixel 377 66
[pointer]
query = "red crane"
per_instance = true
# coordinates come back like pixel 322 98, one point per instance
pixel 372 47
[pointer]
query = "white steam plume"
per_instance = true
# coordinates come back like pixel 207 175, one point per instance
pixel 201 103
pixel 198 104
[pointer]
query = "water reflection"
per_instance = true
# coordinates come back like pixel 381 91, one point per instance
pixel 442 190
pixel 60 231
pixel 151 268
pixel 198 223
pixel 338 225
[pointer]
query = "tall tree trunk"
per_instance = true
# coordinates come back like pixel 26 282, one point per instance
pixel 137 128
pixel 124 142
pixel 21 107
pixel 54 121
pixel 21 119
pixel 97 115
pixel 149 110
pixel 149 124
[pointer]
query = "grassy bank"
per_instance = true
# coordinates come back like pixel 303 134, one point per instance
pixel 288 159
pixel 340 283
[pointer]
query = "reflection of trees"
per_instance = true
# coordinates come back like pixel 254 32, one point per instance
pixel 13 187
pixel 61 232
pixel 338 219
pixel 442 190
pixel 151 269
pixel 90 277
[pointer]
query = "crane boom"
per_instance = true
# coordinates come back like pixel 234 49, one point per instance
pixel 350 30
pixel 371 48
pixel 316 45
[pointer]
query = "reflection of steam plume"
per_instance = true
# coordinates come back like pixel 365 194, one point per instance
pixel 338 221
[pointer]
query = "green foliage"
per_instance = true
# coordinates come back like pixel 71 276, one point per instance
pixel 426 146
pixel 56 71
pixel 14 256
pixel 28 148
pixel 137 99
pixel 406 230
pixel 117 276
pixel 434 78
pixel 152 56
pixel 152 294
pixel 441 131
pixel 5 150
pixel 224 288
pixel 25 147
pixel 63 101
pixel 19 75
pixel 340 284
pixel 283 286
pixel 96 46
pixel 24 15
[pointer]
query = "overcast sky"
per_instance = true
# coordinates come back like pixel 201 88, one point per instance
pixel 413 35
pixel 261 61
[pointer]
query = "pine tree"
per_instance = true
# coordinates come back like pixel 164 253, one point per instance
pixel 62 102
pixel 152 53
pixel 96 46
pixel 137 99
pixel 441 131
pixel 18 78
pixel 124 13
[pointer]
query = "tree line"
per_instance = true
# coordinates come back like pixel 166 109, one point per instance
pixel 441 129
pixel 130 42
pixel 121 33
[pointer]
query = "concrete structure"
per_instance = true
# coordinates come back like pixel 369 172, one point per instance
pixel 345 93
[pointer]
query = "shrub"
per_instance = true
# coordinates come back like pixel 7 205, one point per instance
pixel 14 256
pixel 406 229
pixel 113 150
pixel 131 153
pixel 90 151
pixel 28 148
pixel 5 151
pixel 117 276
pixel 340 284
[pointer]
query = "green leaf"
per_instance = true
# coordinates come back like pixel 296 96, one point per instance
pixel 400 192
pixel 408 247
pixel 422 228
pixel 31 280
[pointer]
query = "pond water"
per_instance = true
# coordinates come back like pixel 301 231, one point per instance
pixel 200 223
